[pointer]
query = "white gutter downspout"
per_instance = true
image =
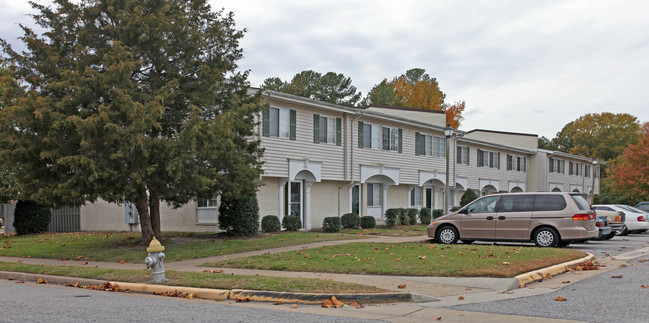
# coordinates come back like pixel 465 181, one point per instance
pixel 351 167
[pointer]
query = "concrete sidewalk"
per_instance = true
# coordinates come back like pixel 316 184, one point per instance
pixel 422 289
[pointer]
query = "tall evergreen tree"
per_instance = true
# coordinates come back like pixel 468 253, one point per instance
pixel 129 100
pixel 330 87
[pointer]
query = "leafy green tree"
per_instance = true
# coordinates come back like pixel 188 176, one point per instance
pixel 602 135
pixel 545 143
pixel 129 100
pixel 330 87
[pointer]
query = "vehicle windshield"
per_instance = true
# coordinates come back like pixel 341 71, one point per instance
pixel 632 209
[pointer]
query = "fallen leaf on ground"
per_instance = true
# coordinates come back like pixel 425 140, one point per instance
pixel 41 281
pixel 565 282
pixel 560 299
pixel 461 298
pixel 122 262
pixel 619 276
pixel 353 303
pixel 278 303
pixel 239 300
pixel 438 319
pixel 294 306
pixel 644 286
pixel 332 302
pixel 217 271
pixel 402 286
pixel 20 282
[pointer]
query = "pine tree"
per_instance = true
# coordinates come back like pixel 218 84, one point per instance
pixel 129 100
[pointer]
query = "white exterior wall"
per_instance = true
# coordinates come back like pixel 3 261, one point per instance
pixel 517 140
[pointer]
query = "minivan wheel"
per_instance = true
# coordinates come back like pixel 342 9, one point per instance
pixel 447 235
pixel 546 237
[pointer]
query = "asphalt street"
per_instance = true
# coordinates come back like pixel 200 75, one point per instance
pixel 42 303
pixel 613 296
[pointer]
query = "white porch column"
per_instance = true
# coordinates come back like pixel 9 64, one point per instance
pixel 384 205
pixel 280 198
pixel 307 206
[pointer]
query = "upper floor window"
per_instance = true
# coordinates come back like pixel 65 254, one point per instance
pixel 369 136
pixel 439 146
pixel 557 165
pixel 326 130
pixel 279 122
pixel 574 168
pixel 516 163
pixel 391 139
pixel 462 155
pixel 489 159
pixel 423 144
pixel 376 137
pixel 586 170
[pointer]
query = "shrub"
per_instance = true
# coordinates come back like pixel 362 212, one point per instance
pixel 270 223
pixel 392 217
pixel 412 216
pixel 424 215
pixel 403 217
pixel 468 197
pixel 455 208
pixel 606 200
pixel 292 223
pixel 437 213
pixel 30 217
pixel 350 221
pixel 331 224
pixel 239 216
pixel 368 222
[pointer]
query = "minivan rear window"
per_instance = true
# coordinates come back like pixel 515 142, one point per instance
pixel 549 203
pixel 581 202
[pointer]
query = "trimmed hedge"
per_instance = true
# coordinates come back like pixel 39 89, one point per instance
pixel 468 197
pixel 412 216
pixel 392 217
pixel 270 223
pixel 331 224
pixel 30 217
pixel 437 213
pixel 239 216
pixel 368 222
pixel 350 221
pixel 292 222
pixel 425 216
pixel 403 216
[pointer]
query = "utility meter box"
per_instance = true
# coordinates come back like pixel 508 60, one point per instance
pixel 130 213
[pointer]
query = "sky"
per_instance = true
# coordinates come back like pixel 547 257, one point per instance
pixel 521 66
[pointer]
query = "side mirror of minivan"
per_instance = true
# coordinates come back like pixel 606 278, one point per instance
pixel 463 211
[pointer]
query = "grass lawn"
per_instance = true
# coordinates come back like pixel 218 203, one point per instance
pixel 122 246
pixel 399 231
pixel 412 259
pixel 202 280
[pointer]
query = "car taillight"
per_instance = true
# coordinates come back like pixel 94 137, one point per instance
pixel 641 218
pixel 584 216
pixel 599 224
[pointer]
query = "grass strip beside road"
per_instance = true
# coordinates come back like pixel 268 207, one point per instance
pixel 191 279
pixel 120 246
pixel 410 259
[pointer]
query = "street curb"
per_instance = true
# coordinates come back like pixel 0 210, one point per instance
pixel 539 275
pixel 221 294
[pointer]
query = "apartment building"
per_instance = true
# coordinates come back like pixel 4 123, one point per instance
pixel 326 160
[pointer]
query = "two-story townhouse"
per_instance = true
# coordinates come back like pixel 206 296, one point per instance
pixel 324 160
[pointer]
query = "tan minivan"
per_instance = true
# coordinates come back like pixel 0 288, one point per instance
pixel 547 219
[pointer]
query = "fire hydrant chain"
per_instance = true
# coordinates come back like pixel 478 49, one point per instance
pixel 155 260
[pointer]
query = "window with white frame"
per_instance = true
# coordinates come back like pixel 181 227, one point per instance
pixel 206 210
pixel 439 147
pixel 557 165
pixel 280 122
pixel 586 170
pixel 574 168
pixel 423 144
pixel 369 135
pixel 374 194
pixel 415 197
pixel 462 155
pixel 391 138
pixel 326 129
pixel 516 163
pixel 489 159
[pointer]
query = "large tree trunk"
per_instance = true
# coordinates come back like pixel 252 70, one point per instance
pixel 154 205
pixel 142 205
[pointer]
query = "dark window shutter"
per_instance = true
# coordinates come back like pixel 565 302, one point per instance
pixel 266 122
pixel 339 126
pixel 480 158
pixel 293 124
pixel 400 140
pixel 468 156
pixel 360 134
pixel 417 143
pixel 316 128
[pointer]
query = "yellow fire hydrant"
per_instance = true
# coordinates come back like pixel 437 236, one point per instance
pixel 155 260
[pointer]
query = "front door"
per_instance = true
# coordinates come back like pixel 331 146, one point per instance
pixel 356 199
pixel 429 198
pixel 479 222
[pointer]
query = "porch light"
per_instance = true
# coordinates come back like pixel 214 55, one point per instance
pixel 592 196
pixel 448 131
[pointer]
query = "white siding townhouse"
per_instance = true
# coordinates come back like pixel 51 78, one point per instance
pixel 323 160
